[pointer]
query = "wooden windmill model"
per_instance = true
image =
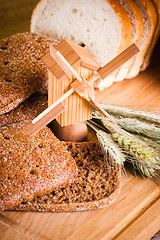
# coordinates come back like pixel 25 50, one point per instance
pixel 71 76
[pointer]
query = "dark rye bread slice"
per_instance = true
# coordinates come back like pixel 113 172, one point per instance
pixel 31 166
pixel 21 69
pixel 96 185
pixel 27 110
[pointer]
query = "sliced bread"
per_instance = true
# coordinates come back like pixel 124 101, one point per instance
pixel 85 20
pixel 148 54
pixel 92 23
pixel 137 27
pixel 96 185
pixel 31 166
pixel 150 20
pixel 102 26
pixel 22 71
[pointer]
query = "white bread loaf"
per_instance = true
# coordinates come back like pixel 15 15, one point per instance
pixel 102 26
pixel 81 21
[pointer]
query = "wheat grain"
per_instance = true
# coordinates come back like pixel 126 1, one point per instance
pixel 135 126
pixel 110 147
pixel 147 159
pixel 150 143
pixel 125 112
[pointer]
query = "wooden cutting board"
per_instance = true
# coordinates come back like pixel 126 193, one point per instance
pixel 135 213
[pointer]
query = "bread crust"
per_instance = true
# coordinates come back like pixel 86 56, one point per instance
pixel 31 166
pixel 22 71
pixel 156 35
pixel 66 199
pixel 126 25
pixel 27 110
pixel 149 11
pixel 126 39
pixel 136 36
pixel 139 21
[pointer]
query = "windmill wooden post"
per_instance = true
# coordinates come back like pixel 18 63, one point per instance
pixel 78 109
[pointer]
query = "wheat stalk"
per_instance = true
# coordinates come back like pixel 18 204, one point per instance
pixel 108 146
pixel 147 159
pixel 141 152
pixel 135 126
pixel 125 112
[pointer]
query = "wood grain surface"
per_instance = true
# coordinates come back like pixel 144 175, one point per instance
pixel 135 214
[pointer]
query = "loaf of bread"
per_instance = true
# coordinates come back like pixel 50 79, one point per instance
pixel 22 71
pixel 104 27
pixel 31 166
pixel 96 185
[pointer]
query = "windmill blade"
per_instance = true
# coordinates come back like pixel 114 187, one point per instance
pixel 114 64
pixel 118 61
pixel 43 119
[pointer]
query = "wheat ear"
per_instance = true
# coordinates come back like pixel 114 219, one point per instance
pixel 108 146
pixel 126 112
pixel 135 126
pixel 147 159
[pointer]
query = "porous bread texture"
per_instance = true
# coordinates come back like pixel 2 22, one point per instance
pixel 27 110
pixel 97 184
pixel 92 23
pixel 31 166
pixel 104 27
pixel 149 20
pixel 22 71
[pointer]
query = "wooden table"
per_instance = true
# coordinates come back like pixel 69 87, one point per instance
pixel 135 214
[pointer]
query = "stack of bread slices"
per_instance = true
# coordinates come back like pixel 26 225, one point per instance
pixel 39 172
pixel 104 27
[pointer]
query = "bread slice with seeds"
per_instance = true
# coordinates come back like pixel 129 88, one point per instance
pixel 21 70
pixel 31 166
pixel 97 184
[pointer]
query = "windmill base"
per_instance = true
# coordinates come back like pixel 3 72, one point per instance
pixel 77 132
